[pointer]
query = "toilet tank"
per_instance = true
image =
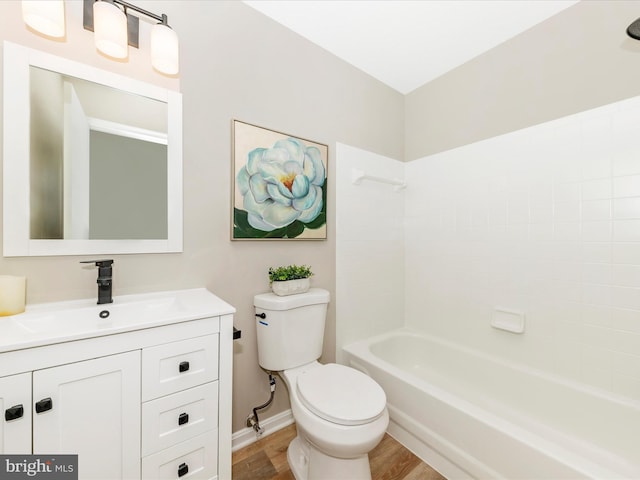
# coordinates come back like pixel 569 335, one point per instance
pixel 292 330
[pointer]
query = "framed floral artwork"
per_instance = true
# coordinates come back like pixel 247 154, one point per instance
pixel 279 185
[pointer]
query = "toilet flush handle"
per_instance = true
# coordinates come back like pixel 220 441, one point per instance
pixel 261 315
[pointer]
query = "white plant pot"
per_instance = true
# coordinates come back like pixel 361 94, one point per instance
pixel 290 287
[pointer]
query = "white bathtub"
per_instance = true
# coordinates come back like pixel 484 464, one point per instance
pixel 471 415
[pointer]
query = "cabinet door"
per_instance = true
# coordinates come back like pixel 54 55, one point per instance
pixel 15 404
pixel 92 409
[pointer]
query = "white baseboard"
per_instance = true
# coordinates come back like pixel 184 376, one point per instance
pixel 247 436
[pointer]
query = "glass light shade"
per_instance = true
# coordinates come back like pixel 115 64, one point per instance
pixel 44 16
pixel 164 49
pixel 110 28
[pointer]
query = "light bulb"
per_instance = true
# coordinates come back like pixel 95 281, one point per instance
pixel 110 28
pixel 44 16
pixel 164 49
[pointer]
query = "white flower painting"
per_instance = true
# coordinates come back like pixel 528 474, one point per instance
pixel 280 185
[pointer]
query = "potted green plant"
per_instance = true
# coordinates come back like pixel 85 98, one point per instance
pixel 290 279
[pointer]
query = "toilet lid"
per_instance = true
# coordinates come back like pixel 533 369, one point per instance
pixel 341 394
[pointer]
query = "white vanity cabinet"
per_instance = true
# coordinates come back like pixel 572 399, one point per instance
pixel 151 402
pixel 90 408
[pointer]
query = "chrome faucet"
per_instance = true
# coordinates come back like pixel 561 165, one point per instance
pixel 105 280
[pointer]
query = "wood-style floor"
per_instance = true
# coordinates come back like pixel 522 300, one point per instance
pixel 267 460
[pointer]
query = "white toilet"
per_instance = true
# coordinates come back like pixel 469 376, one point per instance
pixel 340 412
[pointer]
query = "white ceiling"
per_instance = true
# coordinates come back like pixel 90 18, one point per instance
pixel 407 43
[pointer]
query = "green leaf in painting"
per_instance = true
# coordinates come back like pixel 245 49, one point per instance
pixel 277 233
pixel 294 229
pixel 242 229
pixel 317 222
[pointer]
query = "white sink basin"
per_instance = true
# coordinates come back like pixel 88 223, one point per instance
pixel 64 321
pixel 96 317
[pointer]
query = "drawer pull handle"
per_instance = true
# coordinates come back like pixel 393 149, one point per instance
pixel 13 413
pixel 183 367
pixel 183 418
pixel 183 469
pixel 44 405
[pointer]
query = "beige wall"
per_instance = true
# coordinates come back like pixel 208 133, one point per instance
pixel 235 63
pixel 576 60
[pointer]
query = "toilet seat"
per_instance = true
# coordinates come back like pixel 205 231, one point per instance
pixel 341 395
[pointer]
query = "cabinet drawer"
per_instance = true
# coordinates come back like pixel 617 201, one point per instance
pixel 196 458
pixel 169 420
pixel 180 365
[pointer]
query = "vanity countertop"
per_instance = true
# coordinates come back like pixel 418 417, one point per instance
pixel 57 322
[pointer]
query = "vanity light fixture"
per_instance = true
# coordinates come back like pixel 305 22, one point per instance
pixel 164 48
pixel 114 28
pixel 44 16
pixel 110 28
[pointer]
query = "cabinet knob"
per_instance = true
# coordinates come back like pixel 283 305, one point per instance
pixel 12 413
pixel 183 469
pixel 44 405
pixel 183 418
pixel 183 367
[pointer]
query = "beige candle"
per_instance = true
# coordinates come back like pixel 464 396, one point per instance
pixel 12 295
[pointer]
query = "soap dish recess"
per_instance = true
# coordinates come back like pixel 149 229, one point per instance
pixel 508 320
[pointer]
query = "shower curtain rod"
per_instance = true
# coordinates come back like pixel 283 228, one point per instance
pixel 359 175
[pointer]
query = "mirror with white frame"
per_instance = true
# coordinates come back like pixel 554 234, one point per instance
pixel 92 160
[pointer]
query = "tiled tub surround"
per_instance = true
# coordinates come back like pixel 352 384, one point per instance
pixel 369 247
pixel 544 221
